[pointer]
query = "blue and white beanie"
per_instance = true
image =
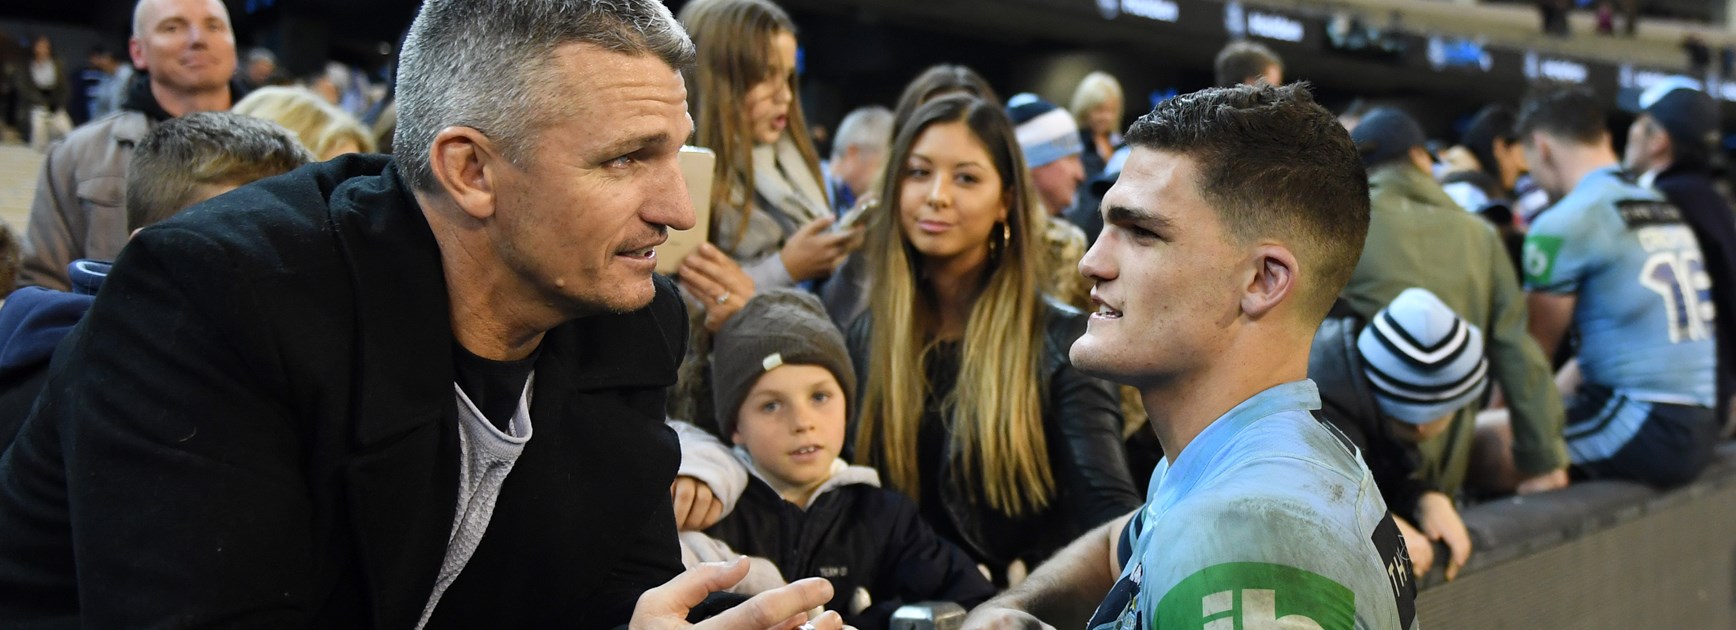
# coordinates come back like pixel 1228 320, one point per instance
pixel 1423 360
pixel 1046 132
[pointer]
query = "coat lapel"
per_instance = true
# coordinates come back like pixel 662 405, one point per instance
pixel 404 458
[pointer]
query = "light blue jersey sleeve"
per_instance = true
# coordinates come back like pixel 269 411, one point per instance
pixel 1561 248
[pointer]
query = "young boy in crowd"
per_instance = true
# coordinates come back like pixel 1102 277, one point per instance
pixel 182 162
pixel 783 389
pixel 1391 383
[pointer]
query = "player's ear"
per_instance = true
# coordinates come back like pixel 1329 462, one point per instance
pixel 1272 279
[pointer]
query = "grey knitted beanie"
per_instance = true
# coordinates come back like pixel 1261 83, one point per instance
pixel 782 327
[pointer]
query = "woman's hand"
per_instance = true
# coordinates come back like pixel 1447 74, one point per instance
pixel 717 282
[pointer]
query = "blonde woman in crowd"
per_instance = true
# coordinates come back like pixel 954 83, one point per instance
pixel 325 130
pixel 970 404
pixel 1098 105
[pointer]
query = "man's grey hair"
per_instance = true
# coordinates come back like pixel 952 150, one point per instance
pixel 867 127
pixel 487 65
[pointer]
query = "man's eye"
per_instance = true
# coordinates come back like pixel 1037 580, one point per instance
pixel 620 162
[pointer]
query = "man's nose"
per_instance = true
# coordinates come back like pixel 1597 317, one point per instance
pixel 672 204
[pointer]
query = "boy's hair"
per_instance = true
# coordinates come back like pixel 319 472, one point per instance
pixel 1272 163
pixel 1241 60
pixel 1566 112
pixel 177 164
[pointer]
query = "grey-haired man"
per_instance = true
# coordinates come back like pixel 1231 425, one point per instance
pixel 310 402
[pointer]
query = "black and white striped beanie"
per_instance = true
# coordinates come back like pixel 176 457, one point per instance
pixel 1423 360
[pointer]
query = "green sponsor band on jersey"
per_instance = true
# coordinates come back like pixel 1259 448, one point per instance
pixel 1256 595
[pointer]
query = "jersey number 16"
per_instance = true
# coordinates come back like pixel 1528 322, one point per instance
pixel 1680 278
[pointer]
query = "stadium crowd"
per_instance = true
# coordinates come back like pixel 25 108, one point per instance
pixel 266 365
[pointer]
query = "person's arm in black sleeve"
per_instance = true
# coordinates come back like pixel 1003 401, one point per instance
pixel 1090 463
pixel 655 557
pixel 188 501
pixel 651 560
pixel 917 566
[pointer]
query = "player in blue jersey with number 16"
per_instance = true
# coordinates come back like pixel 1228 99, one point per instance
pixel 1614 262
pixel 1237 220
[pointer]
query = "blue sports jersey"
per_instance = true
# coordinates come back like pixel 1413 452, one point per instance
pixel 1266 519
pixel 1644 309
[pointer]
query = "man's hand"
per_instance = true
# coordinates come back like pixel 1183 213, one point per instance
pixel 709 274
pixel 1440 521
pixel 1552 480
pixel 992 617
pixel 814 251
pixel 666 607
pixel 696 508
pixel 1422 552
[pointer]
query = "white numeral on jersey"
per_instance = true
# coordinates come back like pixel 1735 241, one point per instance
pixel 1680 278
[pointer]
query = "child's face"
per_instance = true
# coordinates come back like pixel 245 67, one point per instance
pixel 1419 433
pixel 792 423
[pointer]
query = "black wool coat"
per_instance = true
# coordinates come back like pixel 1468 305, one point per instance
pixel 255 426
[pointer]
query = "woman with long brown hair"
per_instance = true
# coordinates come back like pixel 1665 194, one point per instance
pixel 969 403
pixel 769 208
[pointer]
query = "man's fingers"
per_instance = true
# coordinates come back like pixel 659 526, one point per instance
pixel 775 607
pixel 691 587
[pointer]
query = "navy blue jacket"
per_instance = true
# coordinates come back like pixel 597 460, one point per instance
pixel 32 323
pixel 857 536
pixel 1709 216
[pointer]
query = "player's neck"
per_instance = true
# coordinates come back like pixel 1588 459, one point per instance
pixel 1576 164
pixel 1182 407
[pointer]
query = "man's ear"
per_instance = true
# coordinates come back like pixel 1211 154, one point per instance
pixel 1273 280
pixel 468 167
pixel 136 54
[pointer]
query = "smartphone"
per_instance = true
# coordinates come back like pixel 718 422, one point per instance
pixel 854 215
pixel 696 169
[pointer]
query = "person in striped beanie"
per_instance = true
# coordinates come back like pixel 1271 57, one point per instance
pixel 1424 363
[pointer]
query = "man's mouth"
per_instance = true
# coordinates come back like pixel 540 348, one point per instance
pixel 647 251
pixel 1104 312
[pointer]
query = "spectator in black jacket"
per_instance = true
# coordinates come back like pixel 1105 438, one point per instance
pixel 1670 148
pixel 784 383
pixel 1391 383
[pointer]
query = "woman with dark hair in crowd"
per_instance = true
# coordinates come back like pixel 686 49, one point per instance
pixel 1490 138
pixel 935 82
pixel 846 296
pixel 969 401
